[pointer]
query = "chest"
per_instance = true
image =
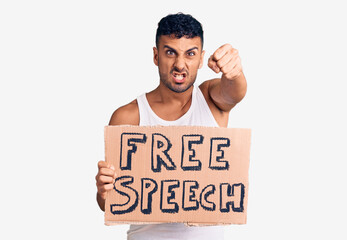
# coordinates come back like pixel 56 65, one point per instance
pixel 170 112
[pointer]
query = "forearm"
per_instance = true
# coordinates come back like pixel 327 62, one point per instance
pixel 233 90
pixel 226 93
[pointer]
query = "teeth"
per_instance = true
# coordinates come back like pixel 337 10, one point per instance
pixel 179 77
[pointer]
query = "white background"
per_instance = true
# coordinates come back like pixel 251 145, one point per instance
pixel 65 66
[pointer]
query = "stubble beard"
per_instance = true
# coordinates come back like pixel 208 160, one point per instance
pixel 177 88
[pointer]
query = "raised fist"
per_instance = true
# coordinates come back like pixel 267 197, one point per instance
pixel 226 59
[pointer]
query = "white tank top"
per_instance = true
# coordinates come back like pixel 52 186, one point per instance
pixel 199 114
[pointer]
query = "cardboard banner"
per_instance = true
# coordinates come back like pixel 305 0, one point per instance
pixel 194 175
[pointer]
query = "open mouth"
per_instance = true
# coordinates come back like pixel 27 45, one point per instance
pixel 179 77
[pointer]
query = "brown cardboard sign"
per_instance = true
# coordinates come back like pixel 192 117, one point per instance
pixel 189 174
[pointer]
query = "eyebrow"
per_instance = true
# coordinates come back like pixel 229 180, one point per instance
pixel 191 49
pixel 170 48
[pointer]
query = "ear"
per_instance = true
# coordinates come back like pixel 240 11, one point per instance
pixel 155 56
pixel 202 59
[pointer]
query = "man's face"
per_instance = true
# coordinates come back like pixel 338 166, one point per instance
pixel 178 61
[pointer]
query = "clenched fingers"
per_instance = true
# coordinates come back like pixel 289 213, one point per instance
pixel 107 172
pixel 103 189
pixel 213 65
pixel 226 59
pixel 105 178
pixel 221 52
pixel 233 63
pixel 103 164
pixel 102 179
pixel 106 169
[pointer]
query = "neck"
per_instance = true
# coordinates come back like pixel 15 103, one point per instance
pixel 166 95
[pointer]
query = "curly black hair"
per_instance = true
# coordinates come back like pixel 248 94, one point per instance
pixel 179 25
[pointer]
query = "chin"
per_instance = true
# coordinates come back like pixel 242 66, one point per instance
pixel 179 88
pixel 176 87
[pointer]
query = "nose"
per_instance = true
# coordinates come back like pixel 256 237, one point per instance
pixel 180 63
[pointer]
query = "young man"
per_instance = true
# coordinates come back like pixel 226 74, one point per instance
pixel 176 101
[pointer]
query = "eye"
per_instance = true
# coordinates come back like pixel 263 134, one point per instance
pixel 169 52
pixel 191 54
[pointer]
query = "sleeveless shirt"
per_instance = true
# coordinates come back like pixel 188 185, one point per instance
pixel 199 114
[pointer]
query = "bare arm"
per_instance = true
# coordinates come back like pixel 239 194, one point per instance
pixel 126 115
pixel 231 88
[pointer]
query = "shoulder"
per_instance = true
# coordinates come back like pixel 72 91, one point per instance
pixel 126 115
